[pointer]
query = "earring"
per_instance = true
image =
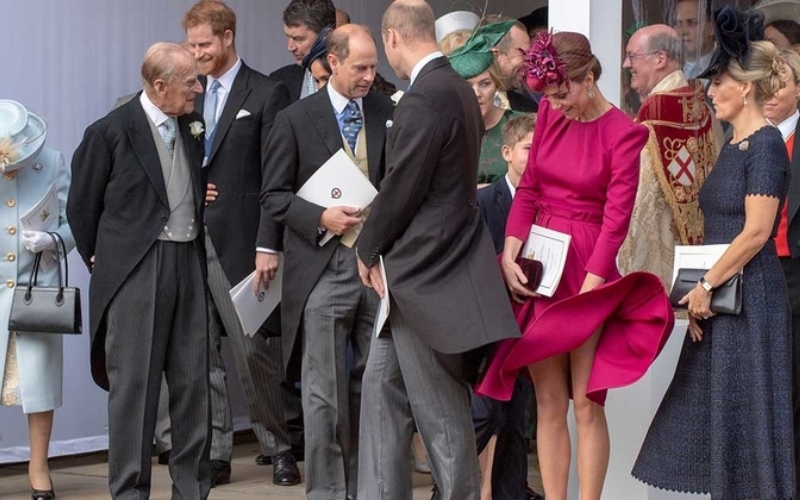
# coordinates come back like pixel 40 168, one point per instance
pixel 590 93
pixel 744 101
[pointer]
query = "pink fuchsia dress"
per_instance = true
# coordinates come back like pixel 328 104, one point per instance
pixel 581 179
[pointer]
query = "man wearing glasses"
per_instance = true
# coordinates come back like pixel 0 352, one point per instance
pixel 679 153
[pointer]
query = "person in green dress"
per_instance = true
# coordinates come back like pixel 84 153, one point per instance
pixel 473 61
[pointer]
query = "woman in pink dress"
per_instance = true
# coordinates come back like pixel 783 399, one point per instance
pixel 581 179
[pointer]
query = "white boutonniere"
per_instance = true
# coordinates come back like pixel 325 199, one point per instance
pixel 397 96
pixel 196 129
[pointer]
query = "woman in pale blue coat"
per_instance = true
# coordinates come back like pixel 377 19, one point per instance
pixel 31 365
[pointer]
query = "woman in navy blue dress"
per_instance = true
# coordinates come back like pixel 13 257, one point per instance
pixel 725 425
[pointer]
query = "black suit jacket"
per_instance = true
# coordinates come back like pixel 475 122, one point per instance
pixel 305 136
pixel 495 203
pixel 235 221
pixel 793 236
pixel 291 76
pixel 522 103
pixel 118 205
pixel 441 268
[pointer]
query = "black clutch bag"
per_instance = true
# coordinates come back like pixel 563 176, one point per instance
pixel 532 269
pixel 42 309
pixel 726 298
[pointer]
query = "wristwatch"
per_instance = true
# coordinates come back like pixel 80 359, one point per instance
pixel 707 286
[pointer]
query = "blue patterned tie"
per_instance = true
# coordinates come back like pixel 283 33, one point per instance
pixel 352 124
pixel 170 131
pixel 210 115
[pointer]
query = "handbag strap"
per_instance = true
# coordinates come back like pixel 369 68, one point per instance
pixel 34 275
pixel 61 253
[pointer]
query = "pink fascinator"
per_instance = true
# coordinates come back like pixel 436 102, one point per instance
pixel 543 66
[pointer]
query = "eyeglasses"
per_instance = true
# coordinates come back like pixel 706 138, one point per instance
pixel 632 57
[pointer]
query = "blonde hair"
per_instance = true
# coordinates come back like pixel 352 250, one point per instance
pixel 792 61
pixel 518 128
pixel 453 41
pixel 763 68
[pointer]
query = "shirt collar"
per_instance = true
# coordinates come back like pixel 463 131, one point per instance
pixel 226 80
pixel 421 64
pixel 511 187
pixel 157 116
pixel 339 101
pixel 672 81
pixel 788 126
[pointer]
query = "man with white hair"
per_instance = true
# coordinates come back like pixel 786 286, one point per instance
pixel 677 158
pixel 147 302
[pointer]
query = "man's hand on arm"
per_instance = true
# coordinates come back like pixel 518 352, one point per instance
pixel 211 193
pixel 339 219
pixel 266 267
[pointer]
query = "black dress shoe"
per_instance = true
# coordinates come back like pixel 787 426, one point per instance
pixel 43 494
pixel 284 470
pixel 297 452
pixel 163 458
pixel 220 473
pixel 532 495
pixel 351 497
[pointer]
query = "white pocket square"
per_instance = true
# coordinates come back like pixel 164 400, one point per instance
pixel 389 123
pixel 242 113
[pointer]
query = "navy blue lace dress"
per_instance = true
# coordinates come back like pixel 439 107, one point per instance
pixel 725 425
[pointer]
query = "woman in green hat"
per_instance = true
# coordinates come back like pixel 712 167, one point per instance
pixel 473 61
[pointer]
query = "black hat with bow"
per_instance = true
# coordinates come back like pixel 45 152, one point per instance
pixel 734 30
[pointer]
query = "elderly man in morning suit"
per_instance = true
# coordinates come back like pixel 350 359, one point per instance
pixel 135 207
pixel 677 158
pixel 324 305
pixel 239 107
pixel 448 298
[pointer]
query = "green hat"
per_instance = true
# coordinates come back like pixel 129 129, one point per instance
pixel 475 56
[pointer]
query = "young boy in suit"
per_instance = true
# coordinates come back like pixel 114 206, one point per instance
pixel 506 420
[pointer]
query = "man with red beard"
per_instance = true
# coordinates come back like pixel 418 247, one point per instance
pixel 239 107
pixel 677 158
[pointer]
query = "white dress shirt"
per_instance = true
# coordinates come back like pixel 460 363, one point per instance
pixel 511 187
pixel 158 117
pixel 788 126
pixel 421 64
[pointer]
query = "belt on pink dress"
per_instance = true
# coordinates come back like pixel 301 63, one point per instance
pixel 543 208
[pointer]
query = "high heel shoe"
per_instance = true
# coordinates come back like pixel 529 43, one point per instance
pixel 44 494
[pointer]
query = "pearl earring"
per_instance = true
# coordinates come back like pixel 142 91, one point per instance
pixel 590 93
pixel 744 101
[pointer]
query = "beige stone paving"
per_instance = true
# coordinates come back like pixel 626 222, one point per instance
pixel 85 478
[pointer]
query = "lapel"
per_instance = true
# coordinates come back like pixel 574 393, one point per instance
pixel 236 97
pixel 794 183
pixel 144 147
pixel 376 133
pixel 503 198
pixel 324 120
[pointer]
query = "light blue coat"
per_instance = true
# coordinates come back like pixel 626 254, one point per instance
pixel 40 356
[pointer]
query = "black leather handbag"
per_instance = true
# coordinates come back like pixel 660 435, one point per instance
pixel 726 298
pixel 43 309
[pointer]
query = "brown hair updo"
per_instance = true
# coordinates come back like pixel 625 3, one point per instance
pixel 576 52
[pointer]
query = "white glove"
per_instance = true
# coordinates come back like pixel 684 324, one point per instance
pixel 37 241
